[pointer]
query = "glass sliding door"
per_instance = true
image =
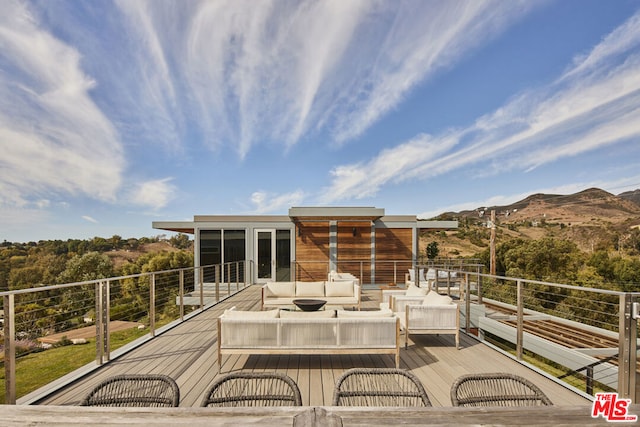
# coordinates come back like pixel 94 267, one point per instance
pixel 273 255
pixel 265 252
pixel 283 255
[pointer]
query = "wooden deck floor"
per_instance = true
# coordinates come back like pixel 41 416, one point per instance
pixel 188 354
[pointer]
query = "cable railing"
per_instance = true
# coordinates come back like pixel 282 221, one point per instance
pixel 47 330
pixel 584 333
pixel 589 333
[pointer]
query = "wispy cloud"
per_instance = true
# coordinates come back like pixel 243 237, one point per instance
pixel 89 219
pixel 54 137
pixel 592 105
pixel 241 73
pixel 265 202
pixel 154 194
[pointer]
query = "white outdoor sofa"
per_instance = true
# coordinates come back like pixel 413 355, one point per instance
pixel 344 293
pixel 426 314
pixel 334 276
pixel 318 332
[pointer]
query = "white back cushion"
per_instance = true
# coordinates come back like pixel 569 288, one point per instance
pixel 281 289
pixel 238 314
pixel 310 289
pixel 321 314
pixel 339 289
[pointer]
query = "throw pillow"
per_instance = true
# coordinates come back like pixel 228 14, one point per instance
pixel 434 298
pixel 414 291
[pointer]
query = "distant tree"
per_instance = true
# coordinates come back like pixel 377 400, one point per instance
pixel 432 250
pixel 181 241
pixel 90 266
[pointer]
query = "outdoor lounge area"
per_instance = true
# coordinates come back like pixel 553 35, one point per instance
pixel 187 359
pixel 188 353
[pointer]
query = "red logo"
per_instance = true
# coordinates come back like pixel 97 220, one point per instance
pixel 612 408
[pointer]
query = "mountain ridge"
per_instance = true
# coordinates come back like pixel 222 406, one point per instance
pixel 583 207
pixel 592 219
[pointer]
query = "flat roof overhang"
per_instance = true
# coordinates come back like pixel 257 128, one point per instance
pixel 441 225
pixel 177 226
pixel 335 213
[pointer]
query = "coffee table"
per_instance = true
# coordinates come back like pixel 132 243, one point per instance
pixel 306 304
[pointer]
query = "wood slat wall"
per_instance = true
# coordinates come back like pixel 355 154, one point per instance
pixel 393 244
pixel 312 245
pixel 352 249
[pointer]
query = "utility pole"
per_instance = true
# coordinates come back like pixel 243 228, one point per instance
pixel 492 244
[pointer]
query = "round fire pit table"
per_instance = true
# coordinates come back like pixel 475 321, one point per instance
pixel 309 304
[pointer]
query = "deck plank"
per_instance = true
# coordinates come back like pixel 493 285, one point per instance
pixel 188 353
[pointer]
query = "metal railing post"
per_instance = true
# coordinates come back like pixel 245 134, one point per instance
pixel 228 279
pixel 479 284
pixel 98 320
pixel 9 349
pixel 237 276
pixel 520 321
pixel 395 272
pixel 216 269
pixel 244 270
pixel 627 345
pixel 152 305
pixel 467 303
pixel 181 294
pixel 201 286
pixel 107 319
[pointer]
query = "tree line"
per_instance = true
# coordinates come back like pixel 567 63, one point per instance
pixel 48 262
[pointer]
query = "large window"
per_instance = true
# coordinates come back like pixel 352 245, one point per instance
pixel 220 247
pixel 234 250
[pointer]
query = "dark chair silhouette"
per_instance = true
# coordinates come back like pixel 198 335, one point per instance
pixel 379 387
pixel 135 390
pixel 253 389
pixel 496 389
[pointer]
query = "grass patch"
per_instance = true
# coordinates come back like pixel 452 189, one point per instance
pixel 38 369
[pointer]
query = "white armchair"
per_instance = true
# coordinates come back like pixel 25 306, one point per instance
pixel 410 291
pixel 432 314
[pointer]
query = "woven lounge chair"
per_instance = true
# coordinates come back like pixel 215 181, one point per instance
pixel 379 387
pixel 135 390
pixel 497 389
pixel 253 389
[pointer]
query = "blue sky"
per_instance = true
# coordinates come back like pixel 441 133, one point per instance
pixel 114 114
